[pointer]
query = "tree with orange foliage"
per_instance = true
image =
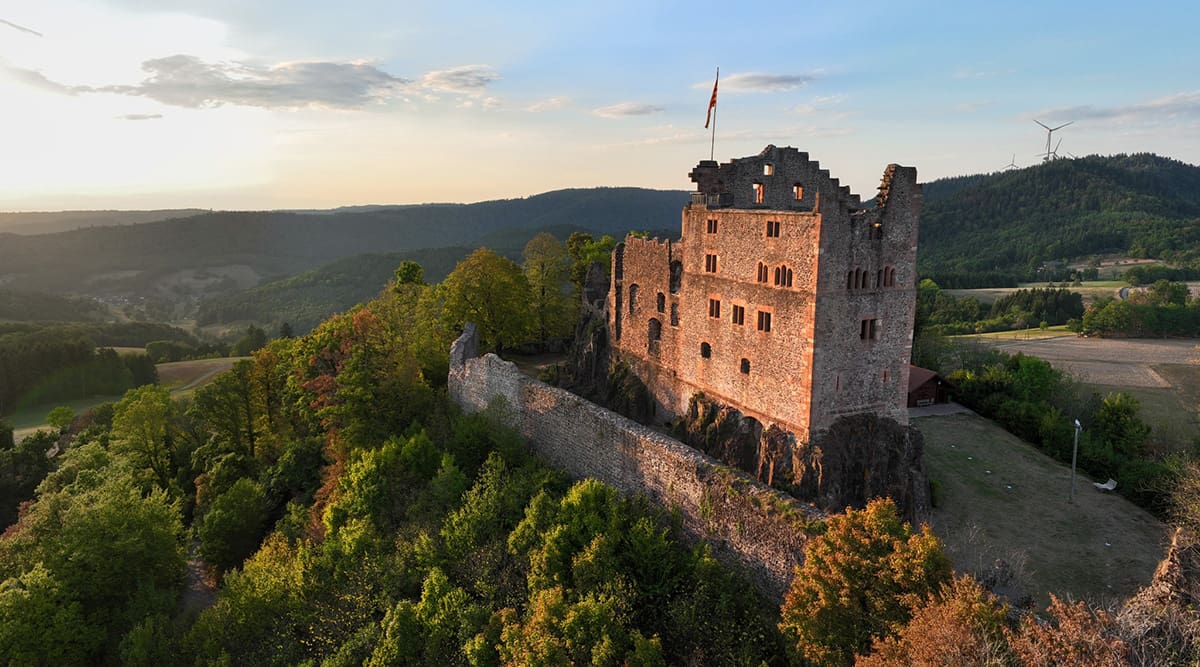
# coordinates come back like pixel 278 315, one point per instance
pixel 1077 637
pixel 860 581
pixel 962 624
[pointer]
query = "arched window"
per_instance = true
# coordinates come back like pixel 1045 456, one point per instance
pixel 762 272
pixel 633 290
pixel 674 314
pixel 783 276
pixel 676 276
pixel 849 280
pixel 661 302
pixel 706 350
pixel 879 278
pixel 653 335
pixel 746 366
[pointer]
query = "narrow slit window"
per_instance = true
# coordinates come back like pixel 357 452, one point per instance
pixel 762 272
pixel 745 366
pixel 798 191
pixel 661 302
pixel 706 350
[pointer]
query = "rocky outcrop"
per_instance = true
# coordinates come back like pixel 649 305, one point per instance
pixel 859 458
pixel 1160 623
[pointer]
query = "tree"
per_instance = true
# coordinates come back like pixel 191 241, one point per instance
pixel 285 331
pixel 6 434
pixel 546 267
pixel 254 339
pixel 233 526
pixel 492 292
pixel 858 581
pixel 584 249
pixel 61 418
pixel 962 624
pixel 1077 637
pixel 141 431
pixel 410 273
pixel 1118 426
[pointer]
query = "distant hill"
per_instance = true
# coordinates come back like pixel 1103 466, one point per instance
pixel 130 260
pixel 48 222
pixel 41 307
pixel 1012 221
pixel 307 299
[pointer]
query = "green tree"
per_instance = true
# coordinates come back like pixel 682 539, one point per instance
pixel 285 331
pixel 410 273
pixel 142 431
pixel 546 268
pixel 233 525
pixel 60 418
pixel 585 249
pixel 254 339
pixel 42 624
pixel 492 292
pixel 858 583
pixel 1118 426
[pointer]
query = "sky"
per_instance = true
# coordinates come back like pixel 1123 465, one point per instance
pixel 268 104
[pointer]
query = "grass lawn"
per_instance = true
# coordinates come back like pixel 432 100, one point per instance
pixel 33 416
pixel 1170 411
pixel 1000 498
pixel 1090 291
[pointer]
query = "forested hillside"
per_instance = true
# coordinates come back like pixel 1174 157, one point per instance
pixel 126 259
pixel 42 307
pixel 1012 221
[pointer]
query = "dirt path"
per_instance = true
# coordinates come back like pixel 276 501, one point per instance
pixel 201 590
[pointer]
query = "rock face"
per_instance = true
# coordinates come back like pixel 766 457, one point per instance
pixel 1161 619
pixel 858 458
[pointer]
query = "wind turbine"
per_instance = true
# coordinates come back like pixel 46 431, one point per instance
pixel 1012 164
pixel 1050 131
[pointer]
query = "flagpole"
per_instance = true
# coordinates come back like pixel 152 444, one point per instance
pixel 712 147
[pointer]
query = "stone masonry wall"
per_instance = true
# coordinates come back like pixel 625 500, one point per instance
pixel 747 523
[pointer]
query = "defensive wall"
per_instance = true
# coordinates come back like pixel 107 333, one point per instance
pixel 748 523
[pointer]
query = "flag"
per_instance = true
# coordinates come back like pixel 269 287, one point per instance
pixel 712 103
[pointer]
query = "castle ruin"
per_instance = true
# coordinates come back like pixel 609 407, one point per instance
pixel 784 298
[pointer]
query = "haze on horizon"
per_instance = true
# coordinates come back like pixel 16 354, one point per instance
pixel 232 105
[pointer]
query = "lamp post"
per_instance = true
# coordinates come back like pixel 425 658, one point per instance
pixel 1074 456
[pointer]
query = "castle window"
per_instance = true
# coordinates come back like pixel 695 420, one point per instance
pixel 712 226
pixel 746 366
pixel 760 193
pixel 674 314
pixel 710 263
pixel 676 276
pixel 849 280
pixel 661 302
pixel 869 329
pixel 768 169
pixel 739 314
pixel 714 308
pixel 798 191
pixel 783 276
pixel 762 272
pixel 889 277
pixel 879 278
pixel 633 290
pixel 706 350
pixel 885 376
pixel 653 335
pixel 764 320
pixel 772 229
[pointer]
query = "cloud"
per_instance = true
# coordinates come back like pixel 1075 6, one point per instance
pixel 140 116
pixel 21 28
pixel 1172 107
pixel 548 104
pixel 187 81
pixel 466 80
pixel 757 82
pixel 625 109
pixel 824 105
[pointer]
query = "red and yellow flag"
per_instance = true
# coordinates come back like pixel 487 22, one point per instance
pixel 712 102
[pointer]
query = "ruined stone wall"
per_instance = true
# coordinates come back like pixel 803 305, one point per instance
pixel 750 524
pixel 867 272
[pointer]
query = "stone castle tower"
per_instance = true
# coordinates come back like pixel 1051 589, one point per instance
pixel 783 298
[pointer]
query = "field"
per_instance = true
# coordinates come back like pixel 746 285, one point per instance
pixel 1163 374
pixel 1090 291
pixel 1001 499
pixel 181 377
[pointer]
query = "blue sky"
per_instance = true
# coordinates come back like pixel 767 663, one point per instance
pixel 226 104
